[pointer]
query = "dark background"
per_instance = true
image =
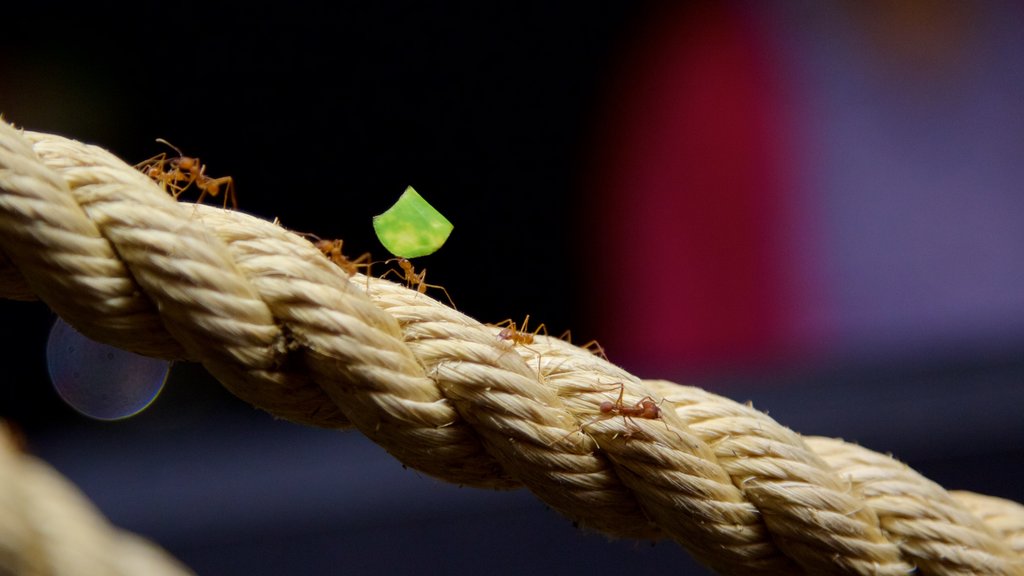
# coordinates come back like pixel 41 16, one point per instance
pixel 323 114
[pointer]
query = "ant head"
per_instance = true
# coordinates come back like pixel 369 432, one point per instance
pixel 404 263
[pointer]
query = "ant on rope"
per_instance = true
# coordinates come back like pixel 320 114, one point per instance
pixel 646 408
pixel 180 172
pixel 510 333
pixel 332 249
pixel 414 280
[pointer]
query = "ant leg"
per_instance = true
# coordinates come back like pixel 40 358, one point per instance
pixel 390 271
pixel 229 192
pixel 420 280
pixel 212 186
pixel 581 428
pixel 423 289
pixel 177 177
pixel 595 348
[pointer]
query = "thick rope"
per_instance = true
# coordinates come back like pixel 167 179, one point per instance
pixel 288 331
pixel 49 528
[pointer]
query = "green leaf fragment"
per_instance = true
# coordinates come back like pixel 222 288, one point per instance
pixel 412 227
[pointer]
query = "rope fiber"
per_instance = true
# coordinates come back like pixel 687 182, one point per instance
pixel 288 331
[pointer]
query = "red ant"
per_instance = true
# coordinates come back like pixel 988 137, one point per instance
pixel 413 279
pixel 509 333
pixel 332 249
pixel 646 408
pixel 181 172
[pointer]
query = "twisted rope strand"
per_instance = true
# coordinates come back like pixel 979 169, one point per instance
pixel 930 526
pixel 1004 517
pixel 286 330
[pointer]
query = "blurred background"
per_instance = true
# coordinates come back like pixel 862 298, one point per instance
pixel 813 206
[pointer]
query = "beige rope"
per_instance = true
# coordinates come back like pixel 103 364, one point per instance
pixel 49 528
pixel 286 330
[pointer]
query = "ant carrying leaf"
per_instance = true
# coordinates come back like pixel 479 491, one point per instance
pixel 411 228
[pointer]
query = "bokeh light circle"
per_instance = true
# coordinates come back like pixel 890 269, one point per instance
pixel 101 381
